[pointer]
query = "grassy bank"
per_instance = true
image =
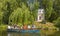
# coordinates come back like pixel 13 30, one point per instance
pixel 48 26
pixel 3 27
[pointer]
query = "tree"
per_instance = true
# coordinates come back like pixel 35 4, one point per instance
pixel 33 6
pixel 1 11
pixel 48 6
pixel 1 17
pixel 20 15
pixel 57 8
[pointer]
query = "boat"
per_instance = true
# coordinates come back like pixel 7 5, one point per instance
pixel 23 31
pixel 16 29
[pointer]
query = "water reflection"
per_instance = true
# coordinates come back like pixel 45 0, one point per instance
pixel 3 33
pixel 8 34
pixel 23 34
pixel 42 33
pixel 55 34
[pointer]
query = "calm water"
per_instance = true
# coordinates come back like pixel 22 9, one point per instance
pixel 42 33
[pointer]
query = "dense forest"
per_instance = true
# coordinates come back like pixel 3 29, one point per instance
pixel 25 11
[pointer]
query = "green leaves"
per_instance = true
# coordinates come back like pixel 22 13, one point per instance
pixel 57 22
pixel 23 14
pixel 1 17
pixel 20 15
pixel 48 6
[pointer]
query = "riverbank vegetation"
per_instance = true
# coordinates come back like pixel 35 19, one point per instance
pixel 22 12
pixel 3 27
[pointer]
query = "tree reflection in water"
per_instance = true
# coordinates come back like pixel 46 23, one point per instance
pixel 42 33
pixel 23 34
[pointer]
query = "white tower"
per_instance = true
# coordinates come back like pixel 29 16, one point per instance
pixel 40 15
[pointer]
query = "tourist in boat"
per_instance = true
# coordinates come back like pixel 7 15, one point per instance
pixel 29 27
pixel 21 27
pixel 12 27
pixel 25 27
pixel 16 27
pixel 9 27
pixel 33 27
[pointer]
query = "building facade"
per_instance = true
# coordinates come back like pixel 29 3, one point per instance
pixel 40 14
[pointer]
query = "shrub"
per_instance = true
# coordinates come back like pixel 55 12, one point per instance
pixel 57 22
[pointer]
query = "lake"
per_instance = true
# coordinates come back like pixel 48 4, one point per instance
pixel 42 33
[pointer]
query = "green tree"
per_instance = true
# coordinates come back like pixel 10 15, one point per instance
pixel 20 15
pixel 18 11
pixel 1 17
pixel 48 6
pixel 57 8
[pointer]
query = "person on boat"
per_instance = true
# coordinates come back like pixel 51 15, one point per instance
pixel 29 27
pixel 25 27
pixel 9 27
pixel 33 26
pixel 17 26
pixel 21 27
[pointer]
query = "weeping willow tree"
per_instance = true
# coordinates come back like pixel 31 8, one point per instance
pixel 1 17
pixel 23 14
pixel 26 14
pixel 16 16
pixel 20 15
pixel 1 12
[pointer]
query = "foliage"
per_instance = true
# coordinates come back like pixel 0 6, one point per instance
pixel 3 28
pixel 25 11
pixel 1 16
pixel 17 11
pixel 21 15
pixel 57 22
pixel 48 5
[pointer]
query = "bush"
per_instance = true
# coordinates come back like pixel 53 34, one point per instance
pixel 57 22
